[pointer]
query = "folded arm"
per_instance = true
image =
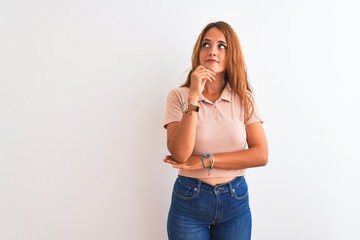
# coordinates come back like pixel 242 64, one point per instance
pixel 255 156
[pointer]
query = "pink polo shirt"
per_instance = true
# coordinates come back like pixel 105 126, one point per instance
pixel 220 127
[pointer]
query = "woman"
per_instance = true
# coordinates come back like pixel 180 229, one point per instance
pixel 214 132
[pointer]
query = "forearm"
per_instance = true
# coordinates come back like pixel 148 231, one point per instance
pixel 228 161
pixel 182 141
pixel 249 158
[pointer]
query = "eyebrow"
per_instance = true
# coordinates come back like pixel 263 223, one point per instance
pixel 208 40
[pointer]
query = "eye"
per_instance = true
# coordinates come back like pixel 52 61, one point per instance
pixel 222 46
pixel 205 45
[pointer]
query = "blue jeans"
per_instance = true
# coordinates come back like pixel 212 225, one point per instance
pixel 200 211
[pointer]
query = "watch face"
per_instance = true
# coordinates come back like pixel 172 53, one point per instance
pixel 185 107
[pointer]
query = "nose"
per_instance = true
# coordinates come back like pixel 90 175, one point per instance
pixel 212 53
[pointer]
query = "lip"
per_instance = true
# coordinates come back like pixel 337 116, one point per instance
pixel 211 61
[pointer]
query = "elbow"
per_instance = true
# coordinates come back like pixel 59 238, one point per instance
pixel 263 159
pixel 180 152
pixel 180 156
pixel 264 162
pixel 262 156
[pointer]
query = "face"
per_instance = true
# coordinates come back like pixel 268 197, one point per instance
pixel 213 50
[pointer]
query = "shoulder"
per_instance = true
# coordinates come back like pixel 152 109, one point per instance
pixel 180 93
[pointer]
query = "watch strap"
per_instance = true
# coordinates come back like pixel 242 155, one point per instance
pixel 188 106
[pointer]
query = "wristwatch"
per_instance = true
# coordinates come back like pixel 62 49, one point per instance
pixel 188 106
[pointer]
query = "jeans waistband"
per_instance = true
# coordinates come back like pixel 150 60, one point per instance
pixel 219 188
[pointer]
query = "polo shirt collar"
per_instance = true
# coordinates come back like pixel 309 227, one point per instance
pixel 225 95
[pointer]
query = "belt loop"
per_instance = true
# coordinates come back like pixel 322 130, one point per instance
pixel 232 190
pixel 198 187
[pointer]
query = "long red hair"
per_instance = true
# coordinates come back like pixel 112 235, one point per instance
pixel 235 73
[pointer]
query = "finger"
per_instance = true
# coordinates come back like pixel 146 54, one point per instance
pixel 211 74
pixel 199 68
pixel 169 157
pixel 211 77
pixel 210 71
pixel 180 166
pixel 172 162
pixel 208 78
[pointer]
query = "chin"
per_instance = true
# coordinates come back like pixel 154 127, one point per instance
pixel 217 70
pixel 214 69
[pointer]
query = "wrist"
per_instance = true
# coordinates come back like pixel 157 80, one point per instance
pixel 208 160
pixel 193 98
pixel 189 107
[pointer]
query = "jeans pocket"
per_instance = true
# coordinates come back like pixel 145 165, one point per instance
pixel 240 191
pixel 184 190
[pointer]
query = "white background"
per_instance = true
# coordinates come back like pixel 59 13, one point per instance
pixel 82 98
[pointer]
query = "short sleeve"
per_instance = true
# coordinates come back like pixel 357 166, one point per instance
pixel 173 112
pixel 255 116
